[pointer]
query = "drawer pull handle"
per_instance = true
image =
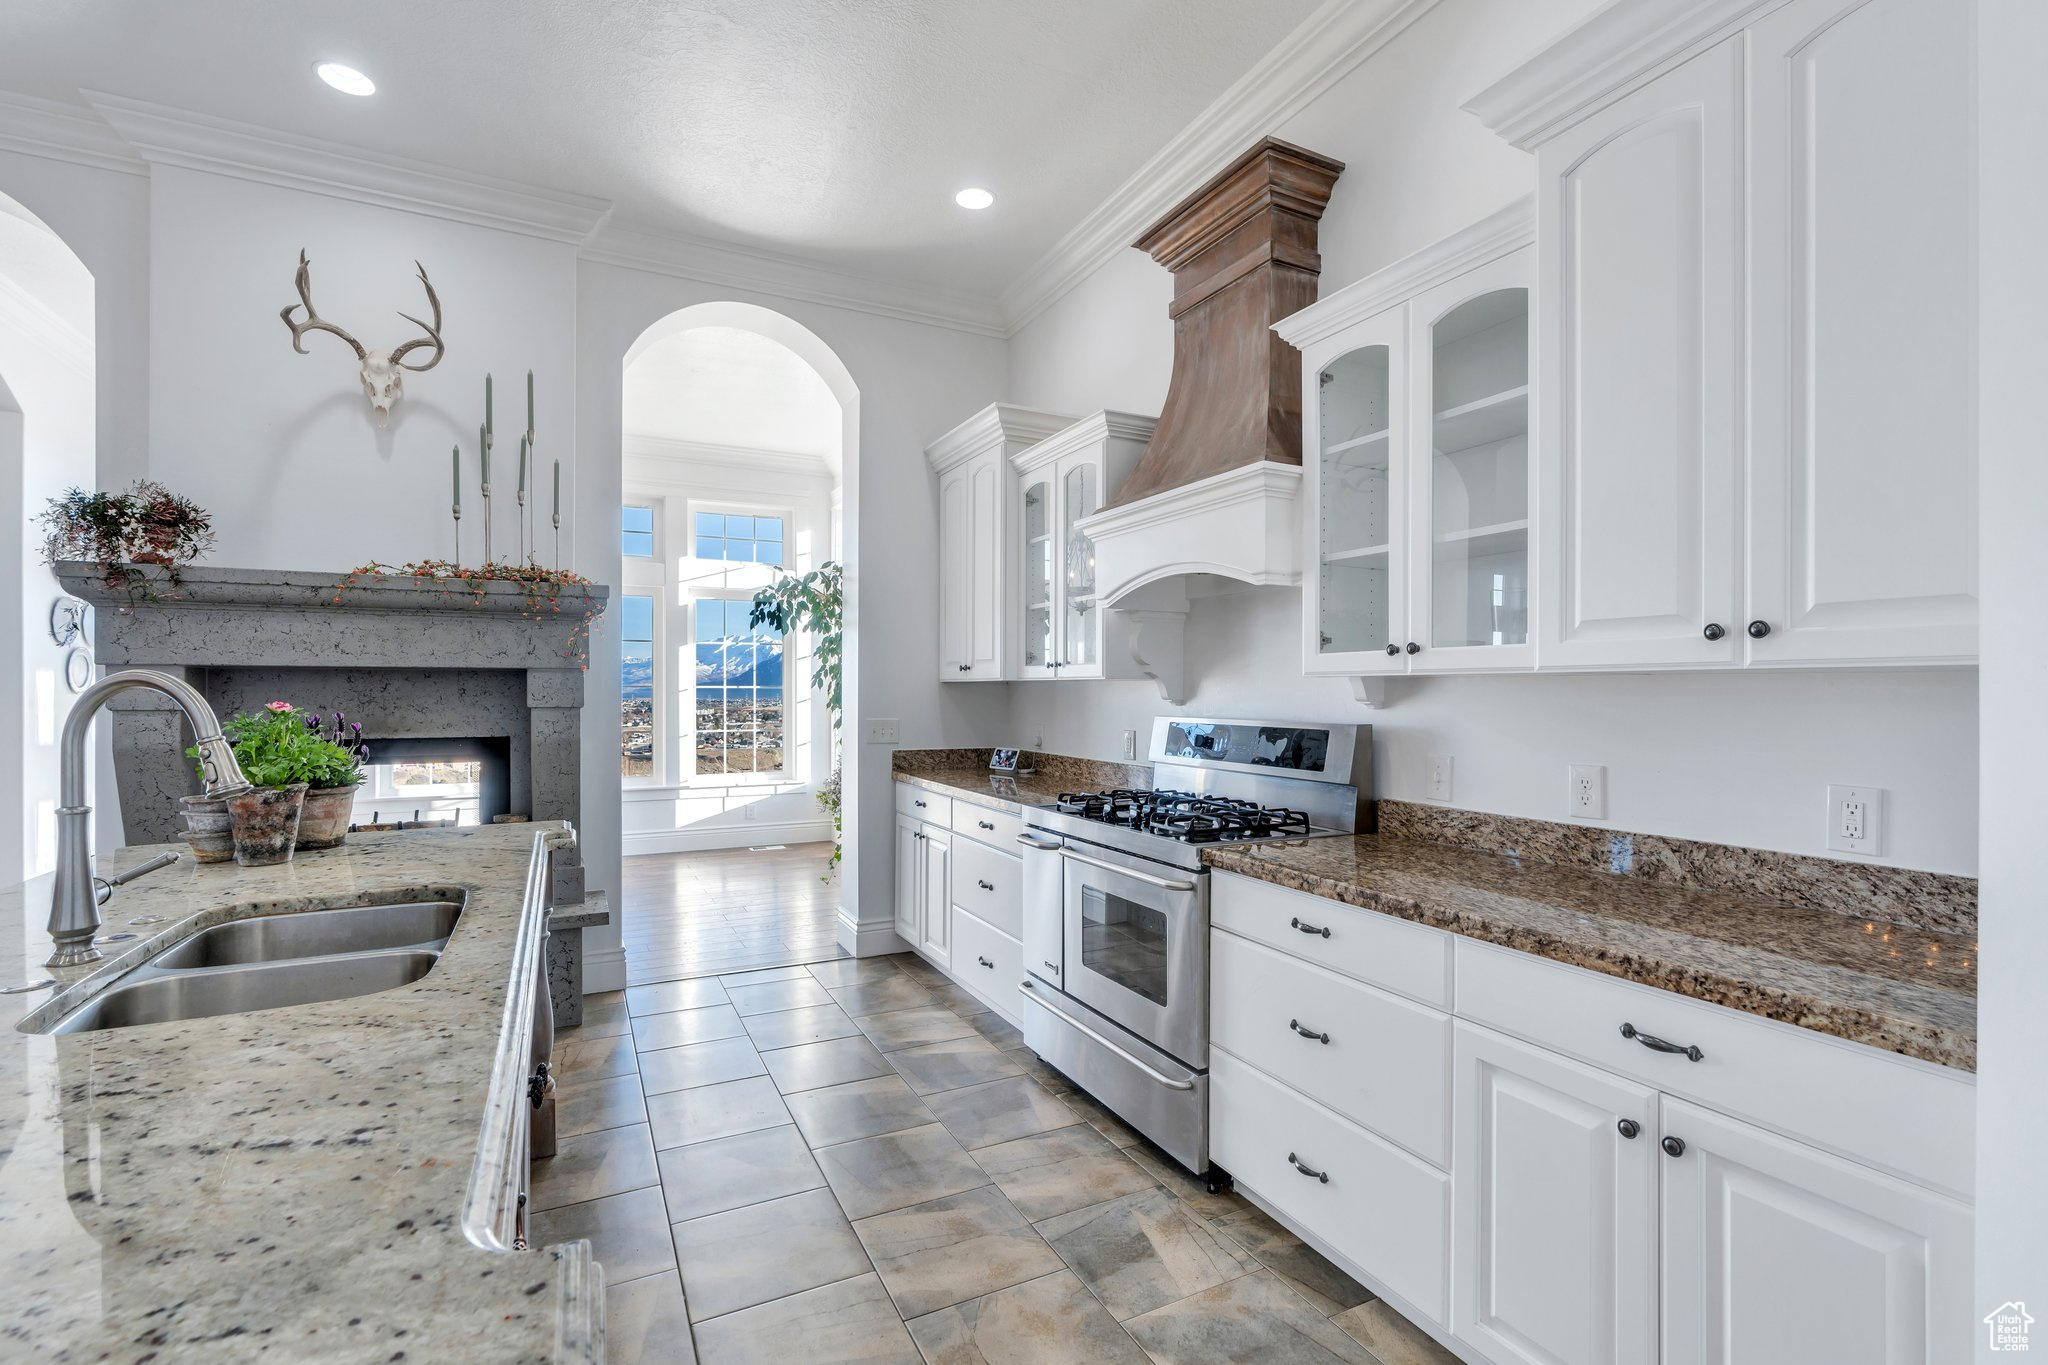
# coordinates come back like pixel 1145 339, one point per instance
pixel 985 824
pixel 1673 1146
pixel 985 962
pixel 1310 928
pixel 986 886
pixel 1656 1044
pixel 1295 1024
pixel 1311 1172
pixel 918 804
pixel 1628 1128
pixel 1053 967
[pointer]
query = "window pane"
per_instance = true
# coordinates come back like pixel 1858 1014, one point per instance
pixel 768 528
pixel 768 667
pixel 710 547
pixel 710 754
pixel 636 531
pixel 710 524
pixel 636 617
pixel 710 667
pixel 739 528
pixel 636 686
pixel 769 551
pixel 636 545
pixel 710 620
pixel 637 518
pixel 739 549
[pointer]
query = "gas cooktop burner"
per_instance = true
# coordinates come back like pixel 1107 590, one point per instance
pixel 1186 816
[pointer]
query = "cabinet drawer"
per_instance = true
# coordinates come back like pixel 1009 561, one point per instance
pixel 1386 1063
pixel 990 963
pixel 991 826
pixel 1380 1208
pixel 988 883
pixel 1901 1115
pixel 1410 958
pixel 922 803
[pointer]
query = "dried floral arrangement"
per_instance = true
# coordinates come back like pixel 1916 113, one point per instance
pixel 147 525
pixel 541 587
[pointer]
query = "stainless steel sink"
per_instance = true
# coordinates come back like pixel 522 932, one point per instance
pixel 316 933
pixel 271 961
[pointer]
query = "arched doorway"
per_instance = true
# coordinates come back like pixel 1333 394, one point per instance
pixel 47 434
pixel 736 428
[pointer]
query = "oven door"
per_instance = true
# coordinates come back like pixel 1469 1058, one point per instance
pixel 1137 947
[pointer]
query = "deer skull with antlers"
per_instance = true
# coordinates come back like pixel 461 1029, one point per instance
pixel 383 372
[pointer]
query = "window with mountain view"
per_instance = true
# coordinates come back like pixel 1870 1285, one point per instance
pixel 740 700
pixel 636 686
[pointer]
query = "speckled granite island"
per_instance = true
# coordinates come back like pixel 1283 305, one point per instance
pixel 287 1184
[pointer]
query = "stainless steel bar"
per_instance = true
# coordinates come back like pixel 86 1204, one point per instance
pixel 1138 1062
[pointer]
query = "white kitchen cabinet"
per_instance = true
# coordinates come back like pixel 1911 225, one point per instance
pixel 1554 1208
pixel 909 879
pixel 1777 1254
pixel 1417 471
pixel 923 868
pixel 1065 477
pixel 978 547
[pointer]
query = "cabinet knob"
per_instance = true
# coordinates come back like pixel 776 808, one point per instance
pixel 1759 629
pixel 1673 1146
pixel 966 668
pixel 1628 1128
pixel 1393 649
pixel 1414 648
pixel 1714 630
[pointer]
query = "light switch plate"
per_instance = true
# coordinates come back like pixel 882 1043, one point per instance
pixel 881 732
pixel 1856 820
pixel 1130 749
pixel 1437 777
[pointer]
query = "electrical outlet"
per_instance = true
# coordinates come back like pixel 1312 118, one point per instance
pixel 747 811
pixel 1438 777
pixel 1130 745
pixel 1856 820
pixel 881 732
pixel 1586 797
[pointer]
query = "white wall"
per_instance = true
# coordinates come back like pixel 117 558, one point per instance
pixel 2012 1064
pixel 1738 759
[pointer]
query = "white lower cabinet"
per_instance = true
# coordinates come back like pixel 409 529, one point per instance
pixel 1555 1208
pixel 1777 1254
pixel 988 962
pixel 923 875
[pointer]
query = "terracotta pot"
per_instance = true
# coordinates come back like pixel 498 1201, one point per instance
pixel 266 822
pixel 323 817
pixel 208 828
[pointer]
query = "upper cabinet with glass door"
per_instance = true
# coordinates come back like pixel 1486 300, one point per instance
pixel 1415 437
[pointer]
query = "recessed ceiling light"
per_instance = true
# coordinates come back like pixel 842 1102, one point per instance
pixel 974 199
pixel 346 79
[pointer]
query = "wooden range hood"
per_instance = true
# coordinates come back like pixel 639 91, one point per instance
pixel 1242 250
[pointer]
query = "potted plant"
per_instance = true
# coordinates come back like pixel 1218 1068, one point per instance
pixel 122 532
pixel 279 756
pixel 815 602
pixel 333 770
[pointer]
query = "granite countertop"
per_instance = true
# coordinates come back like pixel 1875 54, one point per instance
pixel 983 788
pixel 1910 991
pixel 282 1185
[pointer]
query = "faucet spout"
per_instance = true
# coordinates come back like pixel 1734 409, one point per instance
pixel 74 910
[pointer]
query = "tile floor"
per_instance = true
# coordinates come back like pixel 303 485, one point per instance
pixel 735 910
pixel 851 1161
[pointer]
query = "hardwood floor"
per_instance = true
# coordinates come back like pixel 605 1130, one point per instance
pixel 735 910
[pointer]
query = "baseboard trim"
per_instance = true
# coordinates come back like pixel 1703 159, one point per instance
pixel 718 837
pixel 868 940
pixel 604 969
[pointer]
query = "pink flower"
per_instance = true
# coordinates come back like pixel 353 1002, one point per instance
pixel 282 708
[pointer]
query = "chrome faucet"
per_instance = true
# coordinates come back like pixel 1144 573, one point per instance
pixel 74 909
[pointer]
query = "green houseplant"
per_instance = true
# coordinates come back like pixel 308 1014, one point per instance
pixel 148 525
pixel 281 756
pixel 333 771
pixel 815 602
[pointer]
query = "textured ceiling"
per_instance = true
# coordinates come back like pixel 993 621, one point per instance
pixel 729 387
pixel 837 130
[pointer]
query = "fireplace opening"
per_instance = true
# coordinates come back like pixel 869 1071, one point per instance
pixel 465 781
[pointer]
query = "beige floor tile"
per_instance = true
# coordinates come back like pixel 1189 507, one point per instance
pixel 792 1028
pixel 680 1028
pixel 847 970
pixel 1069 1168
pixel 646 1322
pixel 767 997
pixel 593 1165
pixel 858 1109
pixel 1190 1189
pixel 729 1173
pixel 993 1027
pixel 981 1115
pixel 811 1066
pixel 594 1056
pixel 914 1027
pixel 755 978
pixel 1305 1269
pixel 1143 1251
pixel 896 1170
pixel 680 1068
pixel 680 1117
pixel 604 1016
pixel 1052 1320
pixel 882 995
pixel 949 1250
pixel 1052 1080
pixel 952 1064
pixel 852 1321
pixel 1392 1339
pixel 628 1232
pixel 586 1103
pixel 1254 1318
pixel 1101 1119
pixel 750 1255
pixel 668 996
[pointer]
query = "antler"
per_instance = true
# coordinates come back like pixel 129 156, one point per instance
pixel 313 322
pixel 433 333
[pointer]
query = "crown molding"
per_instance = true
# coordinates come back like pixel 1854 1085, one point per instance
pixel 1326 47
pixel 738 460
pixel 730 266
pixel 63 132
pixel 991 428
pixel 175 137
pixel 1609 54
pixel 1491 237
pixel 1094 429
pixel 44 327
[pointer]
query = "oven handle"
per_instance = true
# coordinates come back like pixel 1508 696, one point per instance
pixel 1160 882
pixel 1138 1062
pixel 1031 841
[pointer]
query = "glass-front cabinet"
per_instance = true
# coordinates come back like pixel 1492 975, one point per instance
pixel 1416 433
pixel 1062 481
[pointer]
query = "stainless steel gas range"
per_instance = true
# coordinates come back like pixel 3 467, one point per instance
pixel 1116 906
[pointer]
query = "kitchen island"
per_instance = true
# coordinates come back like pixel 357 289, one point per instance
pixel 288 1184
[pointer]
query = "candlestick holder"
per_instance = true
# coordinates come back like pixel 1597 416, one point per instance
pixel 456 508
pixel 487 526
pixel 531 533
pixel 521 520
pixel 558 540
